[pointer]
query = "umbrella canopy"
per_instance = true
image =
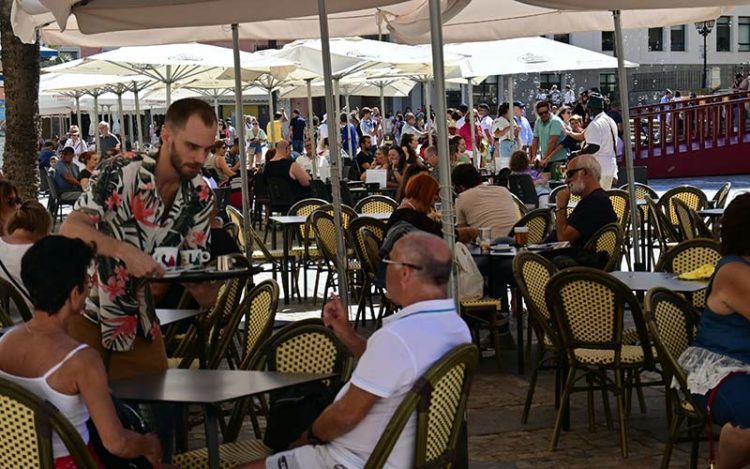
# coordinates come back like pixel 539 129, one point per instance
pixel 391 89
pixel 51 104
pixel 527 55
pixel 631 4
pixel 485 20
pixel 104 16
pixel 82 84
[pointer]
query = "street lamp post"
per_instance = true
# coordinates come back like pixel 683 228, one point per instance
pixel 704 29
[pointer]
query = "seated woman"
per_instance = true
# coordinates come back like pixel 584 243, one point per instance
pixel 722 346
pixel 380 162
pixel 281 166
pixel 90 159
pixel 418 208
pixel 43 358
pixel 9 203
pixel 29 224
pixel 519 164
pixel 216 162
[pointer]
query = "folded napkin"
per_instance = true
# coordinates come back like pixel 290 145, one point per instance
pixel 703 272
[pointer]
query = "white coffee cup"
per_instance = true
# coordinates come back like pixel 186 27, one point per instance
pixel 166 256
pixel 194 257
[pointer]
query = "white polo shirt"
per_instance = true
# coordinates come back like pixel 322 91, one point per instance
pixel 602 131
pixel 399 353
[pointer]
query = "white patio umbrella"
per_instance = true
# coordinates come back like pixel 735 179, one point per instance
pixel 393 89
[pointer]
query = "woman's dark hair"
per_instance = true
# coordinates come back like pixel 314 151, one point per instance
pixel 411 171
pixel 85 156
pixel 52 267
pixel 411 154
pixel 218 145
pixel 454 139
pixel 519 162
pixel 466 175
pixel 735 225
pixel 455 115
pixel 502 110
pixel 401 158
pixel 32 217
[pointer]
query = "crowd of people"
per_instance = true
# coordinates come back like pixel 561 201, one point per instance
pixel 98 321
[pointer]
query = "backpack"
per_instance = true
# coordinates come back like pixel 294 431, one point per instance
pixel 470 280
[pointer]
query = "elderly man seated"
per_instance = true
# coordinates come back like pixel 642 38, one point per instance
pixel 390 362
pixel 592 212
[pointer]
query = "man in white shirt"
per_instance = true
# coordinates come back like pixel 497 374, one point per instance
pixel 601 141
pixel 390 362
pixel 569 98
pixel 410 126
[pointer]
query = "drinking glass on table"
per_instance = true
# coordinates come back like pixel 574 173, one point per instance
pixel 521 234
pixel 485 239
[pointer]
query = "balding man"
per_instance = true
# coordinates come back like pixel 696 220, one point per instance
pixel 390 362
pixel 592 212
pixel 281 166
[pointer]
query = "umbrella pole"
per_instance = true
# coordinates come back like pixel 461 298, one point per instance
pixel 96 123
pixel 469 119
pixel 512 117
pixel 78 110
pixel 427 111
pixel 348 114
pixel 622 80
pixel 121 117
pixel 310 115
pixel 381 85
pixel 271 117
pixel 341 259
pixel 446 187
pixel 131 134
pixel 216 111
pixel 168 82
pixel 335 132
pixel 240 127
pixel 138 127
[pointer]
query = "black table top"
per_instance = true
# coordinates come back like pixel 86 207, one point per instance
pixel 169 316
pixel 206 386
pixel 204 275
pixel 644 281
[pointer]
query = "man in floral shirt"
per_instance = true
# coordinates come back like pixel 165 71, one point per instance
pixel 131 208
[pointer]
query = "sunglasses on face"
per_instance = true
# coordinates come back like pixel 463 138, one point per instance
pixel 543 113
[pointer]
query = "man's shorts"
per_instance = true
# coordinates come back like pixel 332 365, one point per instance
pixel 305 457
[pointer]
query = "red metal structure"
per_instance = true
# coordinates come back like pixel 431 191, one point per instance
pixel 706 136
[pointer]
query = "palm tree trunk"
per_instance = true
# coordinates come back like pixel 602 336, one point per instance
pixel 21 70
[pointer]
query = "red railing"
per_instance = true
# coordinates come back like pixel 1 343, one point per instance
pixel 681 127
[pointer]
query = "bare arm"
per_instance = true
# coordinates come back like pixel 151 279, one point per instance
pixel 731 290
pixel 534 148
pixel 343 415
pixel 221 162
pixel 91 380
pixel 139 264
pixel 335 317
pixel 564 231
pixel 300 175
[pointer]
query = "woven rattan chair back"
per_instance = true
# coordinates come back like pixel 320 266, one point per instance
pixel 259 310
pixel 233 231
pixel 589 309
pixel 620 203
pixel 367 233
pixel 347 214
pixel 324 230
pixel 235 216
pixel 641 191
pixel 11 299
pixel 661 230
pixel 693 197
pixel 376 204
pixel 532 273
pixel 539 223
pixel 439 400
pixel 520 206
pixel 608 239
pixel 26 426
pixel 305 208
pixel 305 346
pixel 685 220
pixel 720 198
pixel 574 199
pixel 688 256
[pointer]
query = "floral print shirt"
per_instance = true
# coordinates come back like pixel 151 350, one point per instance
pixel 123 202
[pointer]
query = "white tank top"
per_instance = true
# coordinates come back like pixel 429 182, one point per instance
pixel 72 407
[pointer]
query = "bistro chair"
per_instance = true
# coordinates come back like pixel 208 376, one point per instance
pixel 532 273
pixel 261 200
pixel 663 235
pixel 589 309
pixel 522 186
pixel 259 311
pixel 376 204
pixel 719 199
pixel 672 324
pixel 57 199
pixel 438 399
pixel 539 223
pixel 688 256
pixel 307 252
pixel 693 197
pixel 484 314
pixel 641 191
pixel 26 426
pixel 574 199
pixel 324 229
pixel 520 206
pixel 620 201
pixel 607 240
pixel 11 300
pixel 305 346
pixel 347 214
pixel 367 235
pixel 689 223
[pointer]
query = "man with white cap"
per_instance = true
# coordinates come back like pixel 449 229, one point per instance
pixel 107 141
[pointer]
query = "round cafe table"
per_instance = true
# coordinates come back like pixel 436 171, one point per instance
pixel 209 274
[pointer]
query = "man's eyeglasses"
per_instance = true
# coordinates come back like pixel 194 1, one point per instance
pixel 406 264
pixel 571 172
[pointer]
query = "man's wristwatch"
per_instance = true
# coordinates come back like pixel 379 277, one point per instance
pixel 311 438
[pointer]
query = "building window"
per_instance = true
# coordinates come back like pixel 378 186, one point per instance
pixel 608 83
pixel 677 38
pixel 546 80
pixel 608 41
pixel 562 38
pixel 724 34
pixel 655 39
pixel 744 34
